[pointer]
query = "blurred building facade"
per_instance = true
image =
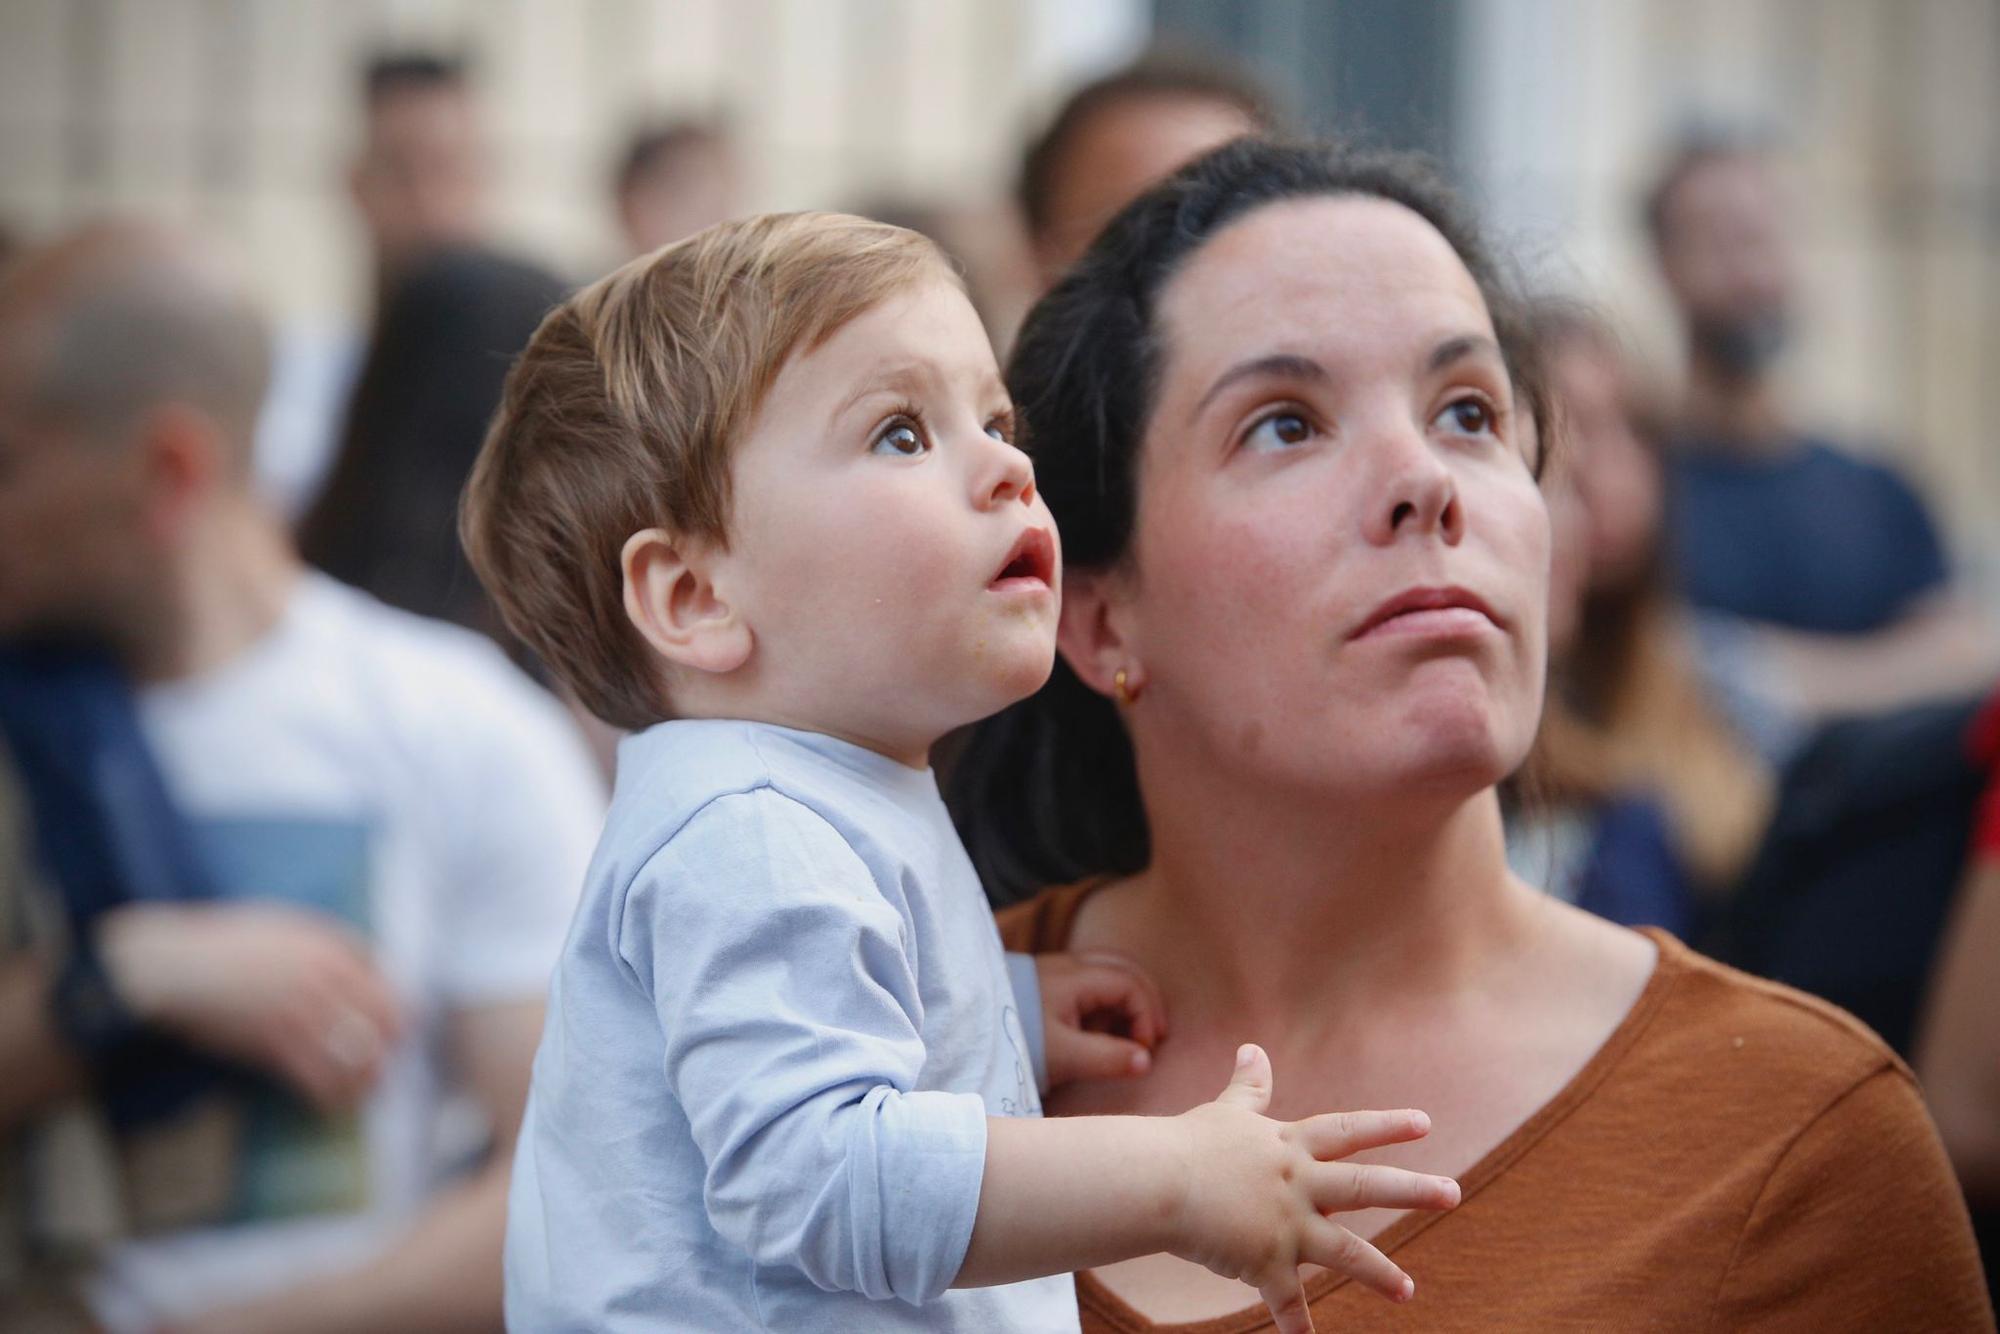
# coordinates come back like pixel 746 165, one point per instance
pixel 239 114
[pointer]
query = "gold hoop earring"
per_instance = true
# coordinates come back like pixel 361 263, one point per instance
pixel 1121 686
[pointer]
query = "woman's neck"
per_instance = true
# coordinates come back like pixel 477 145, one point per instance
pixel 1269 908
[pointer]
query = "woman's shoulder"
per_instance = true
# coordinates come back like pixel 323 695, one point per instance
pixel 1727 1073
pixel 1757 1036
pixel 1817 1136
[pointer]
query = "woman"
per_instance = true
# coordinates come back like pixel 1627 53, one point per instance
pixel 1648 801
pixel 1308 560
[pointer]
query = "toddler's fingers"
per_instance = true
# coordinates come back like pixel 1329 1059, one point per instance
pixel 1131 988
pixel 1082 1055
pixel 1332 1246
pixel 1286 1297
pixel 1338 1134
pixel 1250 1083
pixel 1337 1187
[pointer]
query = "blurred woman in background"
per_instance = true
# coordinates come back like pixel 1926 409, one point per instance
pixel 386 521
pixel 1642 802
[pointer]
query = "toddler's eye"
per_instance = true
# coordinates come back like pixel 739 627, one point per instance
pixel 900 438
pixel 1472 416
pixel 1001 426
pixel 1279 431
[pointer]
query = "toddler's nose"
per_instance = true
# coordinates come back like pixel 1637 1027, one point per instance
pixel 1013 477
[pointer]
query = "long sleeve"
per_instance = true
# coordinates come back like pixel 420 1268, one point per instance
pixel 1026 982
pixel 1860 1226
pixel 781 976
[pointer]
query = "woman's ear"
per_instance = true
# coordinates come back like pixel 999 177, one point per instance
pixel 671 596
pixel 1092 633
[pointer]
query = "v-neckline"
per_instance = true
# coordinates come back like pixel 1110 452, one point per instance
pixel 1668 965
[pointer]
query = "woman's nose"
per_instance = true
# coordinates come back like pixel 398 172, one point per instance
pixel 1418 494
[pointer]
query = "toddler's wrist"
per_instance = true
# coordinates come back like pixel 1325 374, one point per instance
pixel 1179 1154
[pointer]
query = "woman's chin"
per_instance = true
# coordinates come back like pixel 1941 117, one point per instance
pixel 1457 740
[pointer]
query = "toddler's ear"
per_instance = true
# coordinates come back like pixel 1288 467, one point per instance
pixel 673 601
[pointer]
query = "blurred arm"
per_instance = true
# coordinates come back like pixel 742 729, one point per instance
pixel 444 1273
pixel 253 983
pixel 1958 1052
pixel 1945 645
pixel 39 1065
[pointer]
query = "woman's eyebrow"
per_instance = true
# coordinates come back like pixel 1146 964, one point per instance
pixel 1459 348
pixel 1286 364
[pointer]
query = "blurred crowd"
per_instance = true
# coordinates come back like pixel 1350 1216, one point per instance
pixel 289 831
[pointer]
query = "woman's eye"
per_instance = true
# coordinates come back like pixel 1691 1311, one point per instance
pixel 1280 430
pixel 900 438
pixel 1471 416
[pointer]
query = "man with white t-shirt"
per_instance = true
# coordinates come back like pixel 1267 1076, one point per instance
pixel 391 820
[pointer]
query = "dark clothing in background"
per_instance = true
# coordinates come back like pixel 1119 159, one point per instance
pixel 387 519
pixel 1849 895
pixel 1812 540
pixel 1633 875
pixel 106 833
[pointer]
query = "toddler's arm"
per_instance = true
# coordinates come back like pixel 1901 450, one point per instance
pixel 790 1016
pixel 791 1023
pixel 1222 1185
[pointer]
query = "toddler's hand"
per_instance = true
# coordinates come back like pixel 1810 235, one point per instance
pixel 1101 1016
pixel 1258 1192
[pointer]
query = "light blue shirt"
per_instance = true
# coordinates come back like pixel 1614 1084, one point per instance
pixel 779 1024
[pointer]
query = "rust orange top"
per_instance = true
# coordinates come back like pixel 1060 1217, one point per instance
pixel 1737 1155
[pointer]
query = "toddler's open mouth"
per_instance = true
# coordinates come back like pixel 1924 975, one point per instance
pixel 1032 559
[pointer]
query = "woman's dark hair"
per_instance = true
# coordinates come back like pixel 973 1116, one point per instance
pixel 1045 792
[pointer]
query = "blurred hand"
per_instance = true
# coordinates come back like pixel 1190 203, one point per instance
pixel 290 992
pixel 1101 1016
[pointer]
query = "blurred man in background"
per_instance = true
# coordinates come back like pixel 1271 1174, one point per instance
pixel 675 179
pixel 421 180
pixel 1833 560
pixel 393 824
pixel 451 313
pixel 1113 138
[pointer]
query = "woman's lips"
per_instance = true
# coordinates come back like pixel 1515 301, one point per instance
pixel 1429 612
